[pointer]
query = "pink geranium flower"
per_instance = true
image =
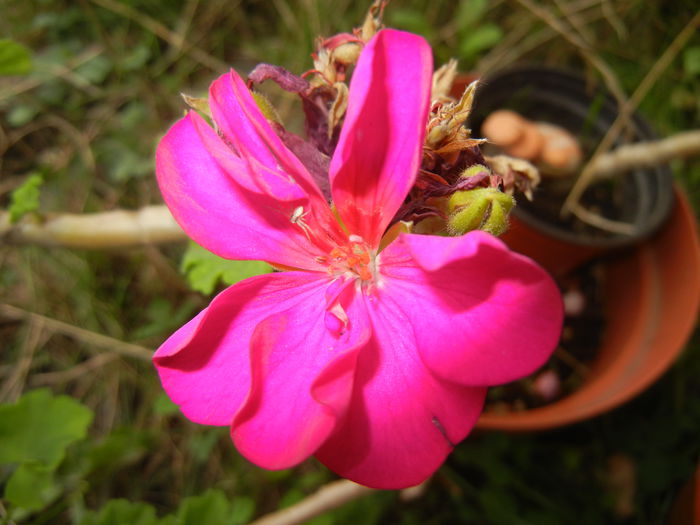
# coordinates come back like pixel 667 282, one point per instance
pixel 375 362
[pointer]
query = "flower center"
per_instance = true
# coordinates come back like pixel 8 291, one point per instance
pixel 354 258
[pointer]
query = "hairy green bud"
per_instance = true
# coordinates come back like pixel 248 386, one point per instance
pixel 474 169
pixel 484 209
pixel 266 107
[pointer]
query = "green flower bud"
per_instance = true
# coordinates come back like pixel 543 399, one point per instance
pixel 484 209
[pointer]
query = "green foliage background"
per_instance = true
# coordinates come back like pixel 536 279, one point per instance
pixel 87 88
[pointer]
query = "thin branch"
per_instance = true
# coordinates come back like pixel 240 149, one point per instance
pixel 86 336
pixel 327 498
pixel 600 222
pixel 13 386
pixel 74 373
pixel 613 19
pixel 644 154
pixel 587 175
pixel 176 40
pixel 17 87
pixel 572 37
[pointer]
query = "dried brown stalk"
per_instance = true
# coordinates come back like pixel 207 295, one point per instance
pixel 93 339
pixel 325 499
pixel 112 229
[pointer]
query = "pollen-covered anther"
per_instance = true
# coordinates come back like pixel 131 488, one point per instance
pixel 353 258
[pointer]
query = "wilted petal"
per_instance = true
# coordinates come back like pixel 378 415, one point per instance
pixel 302 379
pixel 199 179
pixel 205 365
pixel 380 145
pixel 402 421
pixel 482 315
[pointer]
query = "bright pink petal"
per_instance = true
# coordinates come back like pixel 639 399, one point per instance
pixel 205 365
pixel 245 127
pixel 210 193
pixel 380 145
pixel 482 315
pixel 403 421
pixel 302 379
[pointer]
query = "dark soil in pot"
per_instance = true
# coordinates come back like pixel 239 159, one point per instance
pixel 569 366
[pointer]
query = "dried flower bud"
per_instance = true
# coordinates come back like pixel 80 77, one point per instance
pixel 443 78
pixel 484 209
pixel 347 53
pixel 340 105
pixel 517 174
pixel 373 20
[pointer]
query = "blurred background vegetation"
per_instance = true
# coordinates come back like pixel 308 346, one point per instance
pixel 84 99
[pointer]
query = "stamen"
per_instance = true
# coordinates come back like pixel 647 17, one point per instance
pixel 353 258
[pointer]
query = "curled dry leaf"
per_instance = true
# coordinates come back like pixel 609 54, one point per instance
pixel 340 104
pixel 517 174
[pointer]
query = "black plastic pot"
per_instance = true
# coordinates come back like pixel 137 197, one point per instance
pixel 643 197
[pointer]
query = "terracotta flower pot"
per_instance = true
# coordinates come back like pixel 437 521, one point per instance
pixel 652 295
pixel 686 507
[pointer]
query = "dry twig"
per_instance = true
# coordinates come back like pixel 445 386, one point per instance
pixel 176 40
pixel 91 338
pixel 571 205
pixel 327 498
pixel 640 154
pixel 112 229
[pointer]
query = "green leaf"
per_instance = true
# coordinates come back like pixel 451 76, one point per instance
pixel 482 38
pixel 243 510
pixel 40 426
pixel 15 59
pixel 164 406
pixel 25 199
pixel 31 487
pixel 122 512
pixel 204 270
pixel 410 19
pixel 212 508
pixel 21 114
pixel 691 61
pixel 123 446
